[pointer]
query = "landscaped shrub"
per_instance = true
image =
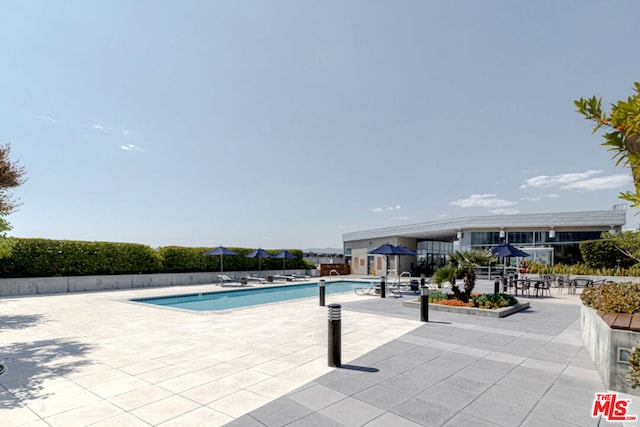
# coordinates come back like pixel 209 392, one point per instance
pixel 44 257
pixel 581 269
pixel 435 296
pixel 603 254
pixel 492 301
pixel 178 259
pixel 613 298
pixel 634 369
pixel 452 302
pixel 447 274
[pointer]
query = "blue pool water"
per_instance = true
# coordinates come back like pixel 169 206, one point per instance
pixel 225 300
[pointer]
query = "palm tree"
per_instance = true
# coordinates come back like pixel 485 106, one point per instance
pixel 466 261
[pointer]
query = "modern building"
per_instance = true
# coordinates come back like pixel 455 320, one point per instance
pixel 549 237
pixel 324 257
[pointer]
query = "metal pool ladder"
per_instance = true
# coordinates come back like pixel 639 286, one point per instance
pixel 337 274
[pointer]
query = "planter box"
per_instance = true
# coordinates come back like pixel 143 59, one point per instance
pixel 500 312
pixel 607 346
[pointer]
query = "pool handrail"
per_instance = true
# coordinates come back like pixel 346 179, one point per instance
pixel 338 274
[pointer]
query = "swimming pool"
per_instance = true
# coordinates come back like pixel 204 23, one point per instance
pixel 225 300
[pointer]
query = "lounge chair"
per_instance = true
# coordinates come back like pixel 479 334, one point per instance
pixel 371 290
pixel 396 289
pixel 281 277
pixel 300 277
pixel 259 280
pixel 375 290
pixel 223 278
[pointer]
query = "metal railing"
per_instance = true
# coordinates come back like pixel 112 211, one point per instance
pixel 337 274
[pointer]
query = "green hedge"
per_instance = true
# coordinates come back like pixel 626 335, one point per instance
pixel 184 259
pixel 603 254
pixel 44 258
pixel 581 269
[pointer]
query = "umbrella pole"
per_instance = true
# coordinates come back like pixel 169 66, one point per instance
pixel 386 268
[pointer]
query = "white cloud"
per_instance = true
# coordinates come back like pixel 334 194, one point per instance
pixel 131 147
pixel 552 196
pixel 125 132
pixel 599 183
pixel 98 127
pixel 483 201
pixel 545 181
pixel 399 218
pixel 530 199
pixel 48 119
pixel 505 211
pixel 388 208
pixel 581 181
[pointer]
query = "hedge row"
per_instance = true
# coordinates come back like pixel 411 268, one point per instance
pixel 44 258
pixel 178 259
pixel 603 254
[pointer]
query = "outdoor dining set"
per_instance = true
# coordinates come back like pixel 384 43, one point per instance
pixel 544 282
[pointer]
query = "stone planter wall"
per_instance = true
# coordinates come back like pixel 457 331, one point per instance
pixel 498 313
pixel 603 344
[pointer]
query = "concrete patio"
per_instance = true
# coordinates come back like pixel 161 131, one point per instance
pixel 97 359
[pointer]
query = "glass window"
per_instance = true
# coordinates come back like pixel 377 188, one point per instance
pixel 577 236
pixel 432 254
pixel 484 238
pixel 520 237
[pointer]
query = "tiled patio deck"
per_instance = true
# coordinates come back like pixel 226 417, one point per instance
pixel 94 359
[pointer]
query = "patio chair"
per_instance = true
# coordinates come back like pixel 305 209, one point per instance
pixel 543 285
pixel 300 277
pixel 562 281
pixel 580 282
pixel 522 285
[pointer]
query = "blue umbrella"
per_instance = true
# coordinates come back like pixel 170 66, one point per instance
pixel 388 249
pixel 505 250
pixel 259 253
pixel 220 250
pixel 284 255
pixel 407 250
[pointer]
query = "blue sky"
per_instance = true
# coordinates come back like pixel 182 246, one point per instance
pixel 287 123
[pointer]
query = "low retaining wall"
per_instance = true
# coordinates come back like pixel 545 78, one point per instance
pixel 605 346
pixel 499 312
pixel 57 285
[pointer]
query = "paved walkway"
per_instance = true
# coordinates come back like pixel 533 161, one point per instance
pixel 96 359
pixel 529 369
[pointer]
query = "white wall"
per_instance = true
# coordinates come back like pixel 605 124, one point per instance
pixel 56 285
